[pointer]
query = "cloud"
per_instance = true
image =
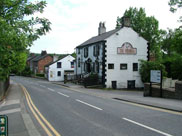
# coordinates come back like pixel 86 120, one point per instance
pixel 74 21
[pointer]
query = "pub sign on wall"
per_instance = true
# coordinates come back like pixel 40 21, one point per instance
pixel 127 48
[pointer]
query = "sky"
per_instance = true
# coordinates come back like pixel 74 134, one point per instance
pixel 75 21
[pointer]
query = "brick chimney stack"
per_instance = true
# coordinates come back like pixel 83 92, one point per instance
pixel 102 28
pixel 43 53
pixel 126 22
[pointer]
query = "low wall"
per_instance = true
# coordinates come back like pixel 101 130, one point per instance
pixel 3 88
pixel 172 93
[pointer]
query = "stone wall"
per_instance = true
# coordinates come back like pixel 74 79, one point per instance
pixel 178 88
pixel 171 93
pixel 3 88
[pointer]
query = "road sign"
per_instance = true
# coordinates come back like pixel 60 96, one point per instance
pixel 155 76
pixel 3 125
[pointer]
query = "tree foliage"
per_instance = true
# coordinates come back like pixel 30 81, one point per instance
pixel 147 27
pixel 146 66
pixel 172 56
pixel 18 30
pixel 174 5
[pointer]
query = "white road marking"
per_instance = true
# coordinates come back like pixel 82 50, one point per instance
pixel 155 130
pixel 63 94
pixel 10 111
pixel 42 85
pixel 51 89
pixel 89 104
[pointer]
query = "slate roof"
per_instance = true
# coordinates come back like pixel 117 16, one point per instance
pixel 98 38
pixel 40 57
pixel 55 61
pixel 31 57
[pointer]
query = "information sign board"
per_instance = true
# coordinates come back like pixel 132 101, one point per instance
pixel 155 76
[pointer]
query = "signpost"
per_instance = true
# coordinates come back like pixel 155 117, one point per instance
pixel 156 77
pixel 3 125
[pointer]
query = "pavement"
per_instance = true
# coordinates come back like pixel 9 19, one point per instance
pixel 13 106
pixel 132 96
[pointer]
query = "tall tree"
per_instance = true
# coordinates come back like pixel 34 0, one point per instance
pixel 147 27
pixel 174 5
pixel 18 29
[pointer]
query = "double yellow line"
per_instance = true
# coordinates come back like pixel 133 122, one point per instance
pixel 40 118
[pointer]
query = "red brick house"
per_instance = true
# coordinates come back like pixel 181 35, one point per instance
pixel 40 61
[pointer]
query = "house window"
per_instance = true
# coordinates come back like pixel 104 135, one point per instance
pixel 93 68
pixel 59 73
pixel 78 50
pixel 110 66
pixel 123 66
pixel 86 52
pixel 58 64
pixel 72 64
pixel 135 66
pixel 97 67
pixel 96 50
pixel 78 62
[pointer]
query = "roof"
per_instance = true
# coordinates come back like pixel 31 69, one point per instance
pixel 98 38
pixel 31 57
pixel 40 57
pixel 55 61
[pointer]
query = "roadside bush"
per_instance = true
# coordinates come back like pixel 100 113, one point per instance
pixel 146 66
pixel 92 79
pixel 26 71
pixel 40 75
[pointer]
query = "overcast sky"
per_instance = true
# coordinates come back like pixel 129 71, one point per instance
pixel 75 21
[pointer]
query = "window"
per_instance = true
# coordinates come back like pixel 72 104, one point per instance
pixel 135 66
pixel 96 50
pixel 72 64
pixel 59 73
pixel 123 66
pixel 93 68
pixel 86 52
pixel 58 64
pixel 78 62
pixel 78 50
pixel 97 67
pixel 110 66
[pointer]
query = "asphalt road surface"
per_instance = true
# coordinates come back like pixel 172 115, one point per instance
pixel 73 113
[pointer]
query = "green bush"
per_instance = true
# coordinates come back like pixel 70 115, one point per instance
pixel 146 66
pixel 40 75
pixel 176 68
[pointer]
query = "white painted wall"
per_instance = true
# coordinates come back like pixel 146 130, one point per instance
pixel 122 76
pixel 66 65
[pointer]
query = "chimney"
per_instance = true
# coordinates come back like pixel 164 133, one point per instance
pixel 102 28
pixel 125 22
pixel 43 53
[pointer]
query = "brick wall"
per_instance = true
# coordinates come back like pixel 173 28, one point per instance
pixel 43 62
pixel 171 93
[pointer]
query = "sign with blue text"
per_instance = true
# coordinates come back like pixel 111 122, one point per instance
pixel 155 76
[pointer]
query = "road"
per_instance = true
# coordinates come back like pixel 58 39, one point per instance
pixel 73 113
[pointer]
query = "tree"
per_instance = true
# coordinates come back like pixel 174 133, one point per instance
pixel 174 5
pixel 146 66
pixel 18 30
pixel 172 57
pixel 147 27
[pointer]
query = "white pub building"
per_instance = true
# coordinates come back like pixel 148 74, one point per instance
pixel 114 56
